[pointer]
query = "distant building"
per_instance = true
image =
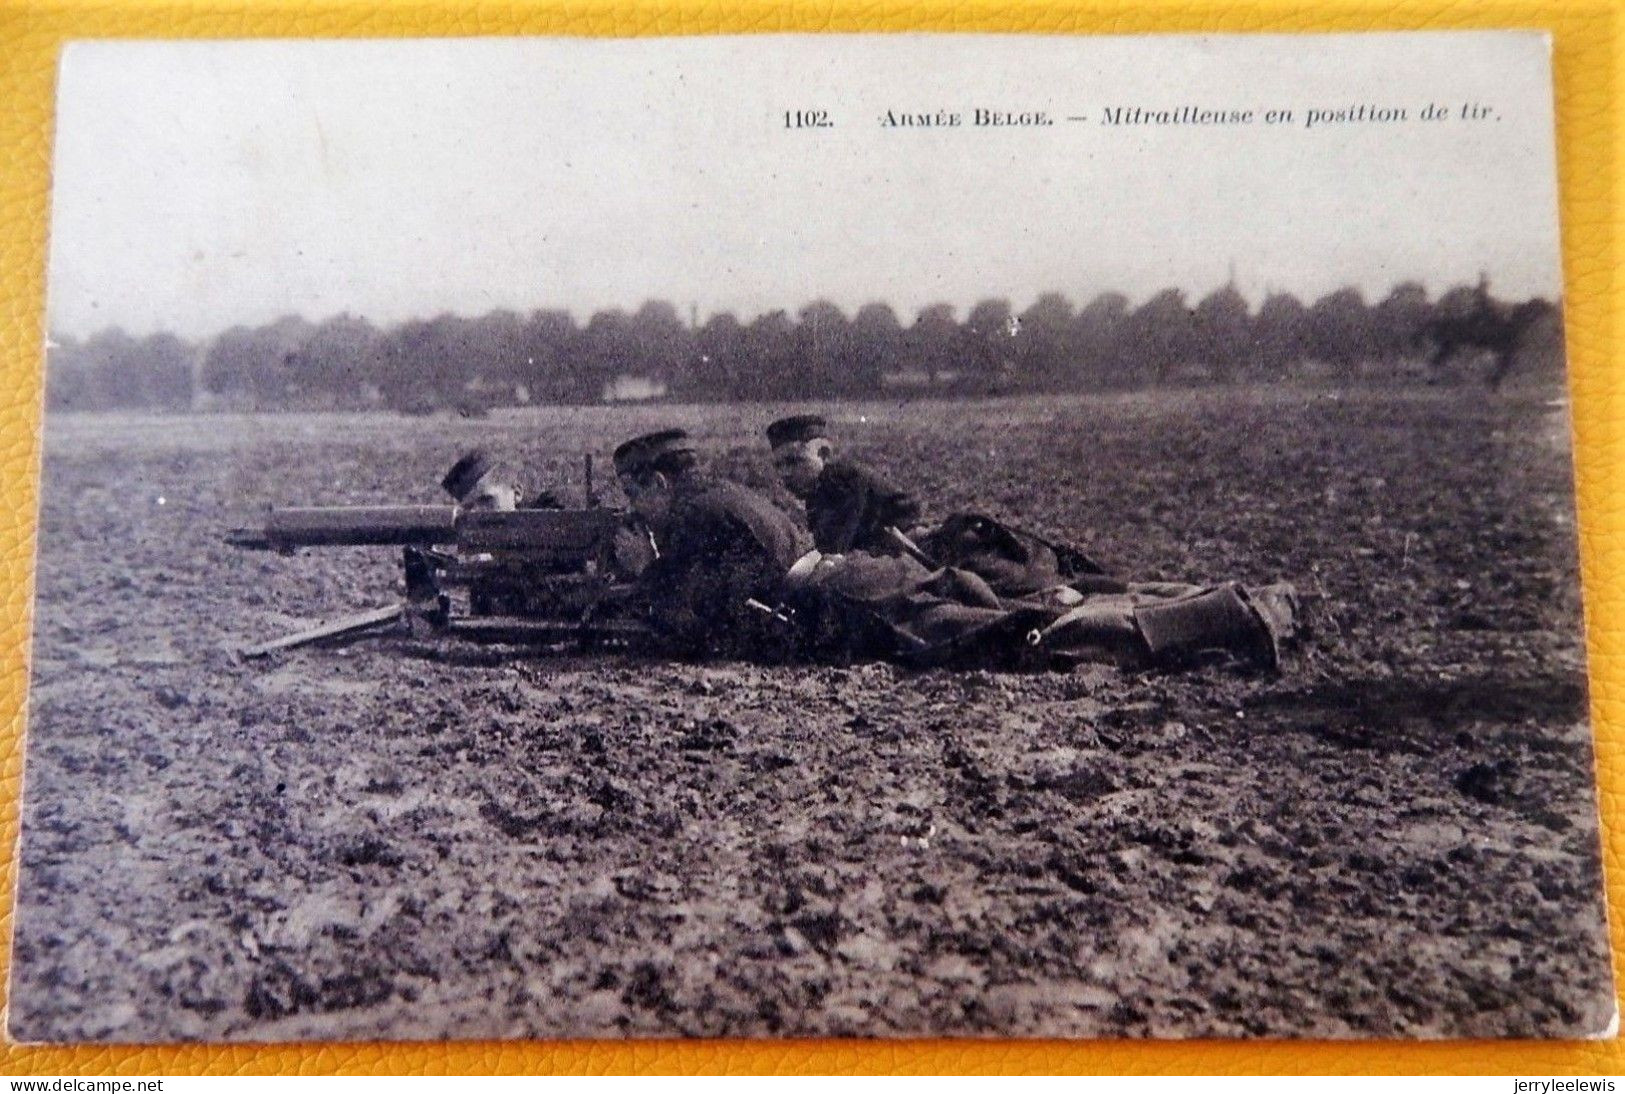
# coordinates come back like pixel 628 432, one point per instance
pixel 634 389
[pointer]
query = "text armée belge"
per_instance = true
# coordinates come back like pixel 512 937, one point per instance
pixel 977 117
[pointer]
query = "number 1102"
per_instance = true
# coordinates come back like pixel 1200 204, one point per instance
pixel 807 119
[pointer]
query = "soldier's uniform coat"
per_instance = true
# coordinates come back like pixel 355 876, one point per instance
pixel 720 544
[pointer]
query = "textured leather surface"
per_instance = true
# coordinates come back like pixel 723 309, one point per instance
pixel 1588 48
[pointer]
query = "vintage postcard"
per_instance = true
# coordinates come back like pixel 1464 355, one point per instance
pixel 800 536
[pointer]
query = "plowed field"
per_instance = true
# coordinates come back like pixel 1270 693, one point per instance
pixel 1397 836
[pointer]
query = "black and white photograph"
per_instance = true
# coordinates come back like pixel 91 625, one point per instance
pixel 808 536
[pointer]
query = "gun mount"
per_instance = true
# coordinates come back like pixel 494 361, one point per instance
pixel 539 577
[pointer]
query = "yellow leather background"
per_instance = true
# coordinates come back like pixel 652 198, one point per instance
pixel 1589 115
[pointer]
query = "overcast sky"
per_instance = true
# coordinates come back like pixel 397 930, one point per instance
pixel 199 185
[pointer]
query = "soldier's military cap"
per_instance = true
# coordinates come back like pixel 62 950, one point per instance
pixel 641 453
pixel 797 429
pixel 467 472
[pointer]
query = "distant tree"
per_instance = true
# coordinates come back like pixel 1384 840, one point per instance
pixel 496 354
pixel 398 367
pixel 1160 337
pixel 1462 300
pixel 163 367
pixel 721 361
pixel 607 353
pixel 1539 356
pixel 989 334
pixel 824 357
pixel 70 382
pixel 547 359
pixel 1398 321
pixel 336 366
pixel 1045 350
pixel 770 345
pixel 229 363
pixel 1098 332
pixel 661 343
pixel 1280 337
pixel 112 362
pixel 934 343
pixel 280 343
pixel 426 365
pixel 1340 330
pixel 113 370
pixel 1222 327
pixel 877 348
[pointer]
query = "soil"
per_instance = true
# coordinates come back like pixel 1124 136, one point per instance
pixel 1395 837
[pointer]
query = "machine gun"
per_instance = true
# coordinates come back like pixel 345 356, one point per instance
pixel 540 577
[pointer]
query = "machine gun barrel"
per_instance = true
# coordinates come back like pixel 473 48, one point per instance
pixel 350 526
pixel 560 534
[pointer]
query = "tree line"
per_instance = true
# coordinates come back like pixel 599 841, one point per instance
pixel 505 358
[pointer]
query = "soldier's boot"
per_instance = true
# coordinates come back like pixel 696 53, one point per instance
pixel 1226 618
pixel 1279 607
